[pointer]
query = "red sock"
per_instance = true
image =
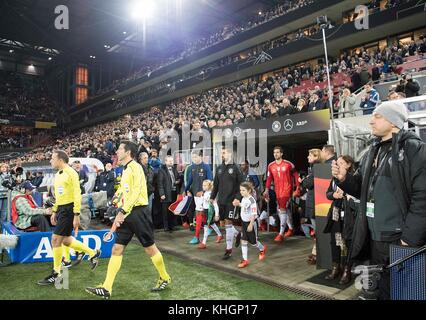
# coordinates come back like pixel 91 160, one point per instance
pixel 199 221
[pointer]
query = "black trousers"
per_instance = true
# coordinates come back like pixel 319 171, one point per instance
pixel 191 212
pixel 336 251
pixel 169 219
pixel 380 254
pixel 40 222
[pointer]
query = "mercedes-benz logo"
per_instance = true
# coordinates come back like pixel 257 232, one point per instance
pixel 288 125
pixel 276 126
pixel 237 132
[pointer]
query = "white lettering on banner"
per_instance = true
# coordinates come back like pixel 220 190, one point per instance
pixel 86 238
pixel 44 247
pixel 301 123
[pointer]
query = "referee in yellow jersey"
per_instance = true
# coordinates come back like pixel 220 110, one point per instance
pixel 66 216
pixel 132 218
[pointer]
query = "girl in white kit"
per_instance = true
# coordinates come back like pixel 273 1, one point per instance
pixel 249 224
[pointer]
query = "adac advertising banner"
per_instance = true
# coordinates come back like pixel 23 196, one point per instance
pixel 313 121
pixel 322 178
pixel 36 246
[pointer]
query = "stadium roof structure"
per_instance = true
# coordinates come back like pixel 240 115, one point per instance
pixel 95 26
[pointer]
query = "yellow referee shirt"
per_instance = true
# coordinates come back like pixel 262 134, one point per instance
pixel 67 189
pixel 133 189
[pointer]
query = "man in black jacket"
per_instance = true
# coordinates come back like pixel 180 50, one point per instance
pixel 390 184
pixel 149 177
pixel 409 86
pixel 226 188
pixel 82 175
pixel 168 182
pixel 316 103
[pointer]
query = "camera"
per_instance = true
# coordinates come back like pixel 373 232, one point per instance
pixel 111 213
pixel 10 183
pixel 49 203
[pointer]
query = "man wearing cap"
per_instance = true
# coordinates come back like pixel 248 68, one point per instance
pixel 390 184
pixel 26 213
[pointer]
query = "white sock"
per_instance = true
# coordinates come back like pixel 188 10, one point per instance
pixel 244 249
pixel 235 230
pixel 229 230
pixel 283 222
pixel 216 229
pixel 259 246
pixel 289 220
pixel 206 234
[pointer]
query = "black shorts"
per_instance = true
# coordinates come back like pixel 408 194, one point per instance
pixel 139 223
pixel 227 212
pixel 64 220
pixel 250 237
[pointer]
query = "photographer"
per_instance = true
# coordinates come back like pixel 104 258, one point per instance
pixel 409 86
pixel 390 186
pixel 26 213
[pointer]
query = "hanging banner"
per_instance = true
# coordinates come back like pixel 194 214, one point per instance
pixel 313 121
pixel 36 246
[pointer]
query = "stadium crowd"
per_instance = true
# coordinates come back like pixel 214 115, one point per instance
pixel 268 45
pixel 25 98
pixel 228 31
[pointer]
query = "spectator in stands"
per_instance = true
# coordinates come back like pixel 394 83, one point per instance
pixel 26 211
pixel 277 91
pixel 376 72
pixel 4 175
pixel 356 80
pixel 105 181
pixel 409 86
pixel 347 102
pixel 315 103
pixel 364 75
pixel 392 203
pixel 286 108
pixel 392 95
pixel 154 162
pixel 142 147
pixel 169 183
pixel 81 174
pixel 370 99
pixel 301 106
pixel 38 179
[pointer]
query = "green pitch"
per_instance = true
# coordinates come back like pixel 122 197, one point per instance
pixel 137 275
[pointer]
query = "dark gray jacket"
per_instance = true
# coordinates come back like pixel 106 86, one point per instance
pixel 402 184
